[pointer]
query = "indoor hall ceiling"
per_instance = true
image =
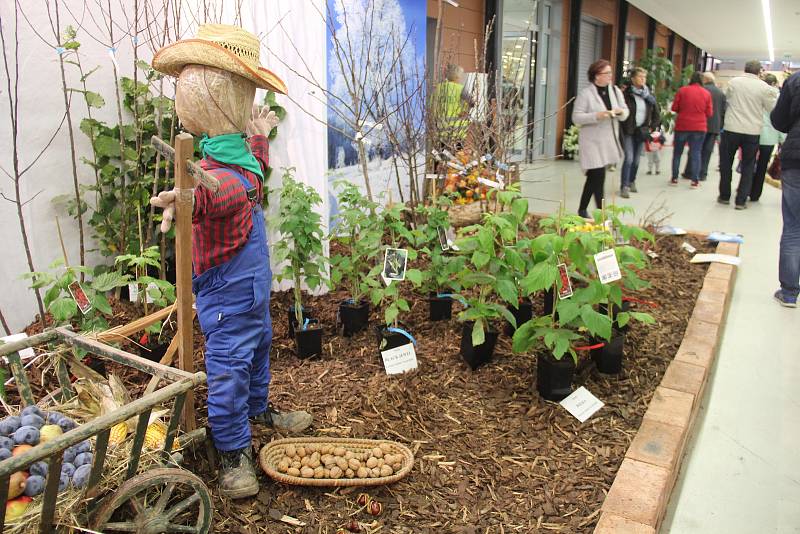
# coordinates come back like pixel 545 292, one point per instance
pixel 731 28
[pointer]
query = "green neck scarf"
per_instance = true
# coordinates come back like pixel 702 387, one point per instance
pixel 231 149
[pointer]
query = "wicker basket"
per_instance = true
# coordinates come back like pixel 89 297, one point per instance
pixel 272 453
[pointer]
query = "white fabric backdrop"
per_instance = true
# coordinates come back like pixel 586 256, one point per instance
pixel 301 142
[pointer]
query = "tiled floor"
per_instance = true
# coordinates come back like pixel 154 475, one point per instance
pixel 742 470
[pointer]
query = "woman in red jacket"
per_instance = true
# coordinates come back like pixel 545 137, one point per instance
pixel 693 105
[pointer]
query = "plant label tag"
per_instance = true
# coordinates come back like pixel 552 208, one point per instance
pixel 133 292
pixel 566 284
pixel 653 255
pixel 719 258
pixel 489 183
pixel 582 404
pixel 688 248
pixel 394 264
pixel 147 296
pixel 443 241
pixel 432 176
pixel 24 354
pixel 80 298
pixel 399 359
pixel 607 266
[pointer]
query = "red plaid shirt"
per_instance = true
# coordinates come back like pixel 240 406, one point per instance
pixel 222 220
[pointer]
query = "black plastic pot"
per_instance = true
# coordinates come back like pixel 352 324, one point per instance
pixel 308 342
pixel 608 358
pixel 440 308
pixel 475 356
pixel 292 319
pixel 390 340
pixel 353 317
pixel 554 377
pixel 547 298
pixel 523 313
pixel 153 351
pixel 626 306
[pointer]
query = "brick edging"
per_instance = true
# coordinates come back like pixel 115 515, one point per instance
pixel 638 498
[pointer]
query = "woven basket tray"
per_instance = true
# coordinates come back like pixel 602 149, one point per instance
pixel 272 453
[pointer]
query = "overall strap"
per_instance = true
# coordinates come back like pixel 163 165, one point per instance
pixel 252 190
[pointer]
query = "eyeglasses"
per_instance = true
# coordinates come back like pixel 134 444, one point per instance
pixel 605 72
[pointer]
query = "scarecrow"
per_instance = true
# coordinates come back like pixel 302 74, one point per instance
pixel 217 73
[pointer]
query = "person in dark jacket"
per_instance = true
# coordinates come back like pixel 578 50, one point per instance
pixel 644 118
pixel 693 105
pixel 714 125
pixel 786 118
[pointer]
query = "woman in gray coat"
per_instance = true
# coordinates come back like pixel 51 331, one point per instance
pixel 598 110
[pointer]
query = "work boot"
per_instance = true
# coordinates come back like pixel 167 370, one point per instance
pixel 237 476
pixel 287 423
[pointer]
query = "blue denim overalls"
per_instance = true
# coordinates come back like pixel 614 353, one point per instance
pixel 233 310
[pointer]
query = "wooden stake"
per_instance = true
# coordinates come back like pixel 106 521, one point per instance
pixel 61 240
pixel 184 150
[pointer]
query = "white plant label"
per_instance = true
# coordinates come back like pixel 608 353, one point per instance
pixel 688 248
pixel 24 354
pixel 489 183
pixel 399 359
pixel 133 292
pixel 718 258
pixel 607 266
pixel 582 404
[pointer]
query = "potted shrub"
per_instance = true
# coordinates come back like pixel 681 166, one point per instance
pixel 386 292
pixel 300 252
pixel 359 229
pixel 489 276
pixel 439 279
pixel 149 290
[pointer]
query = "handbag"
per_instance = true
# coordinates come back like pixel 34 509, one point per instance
pixel 774 169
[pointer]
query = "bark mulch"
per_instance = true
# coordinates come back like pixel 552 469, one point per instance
pixel 491 455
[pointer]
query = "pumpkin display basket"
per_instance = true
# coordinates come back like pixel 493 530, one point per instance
pixel 271 455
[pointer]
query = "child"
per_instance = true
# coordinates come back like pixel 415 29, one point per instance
pixel 653 146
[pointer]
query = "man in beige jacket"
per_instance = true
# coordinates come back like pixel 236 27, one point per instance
pixel 748 98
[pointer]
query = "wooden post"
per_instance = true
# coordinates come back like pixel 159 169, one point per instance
pixel 184 150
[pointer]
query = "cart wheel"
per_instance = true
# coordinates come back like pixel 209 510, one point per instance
pixel 158 501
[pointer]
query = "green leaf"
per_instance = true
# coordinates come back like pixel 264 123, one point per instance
pixel 519 207
pixel 508 291
pixel 94 100
pixel 391 314
pixel 645 318
pixel 101 304
pixel 597 323
pixel 51 295
pixel 414 276
pixel 542 276
pixel 623 318
pixel 480 259
pixel 567 310
pixel 478 335
pixel 108 281
pixel 63 309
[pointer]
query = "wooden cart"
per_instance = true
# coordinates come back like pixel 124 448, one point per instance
pixel 164 499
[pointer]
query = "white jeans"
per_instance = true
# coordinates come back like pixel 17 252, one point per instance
pixel 653 161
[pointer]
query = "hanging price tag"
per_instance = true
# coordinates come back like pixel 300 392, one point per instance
pixel 566 283
pixel 607 266
pixel 400 359
pixel 80 298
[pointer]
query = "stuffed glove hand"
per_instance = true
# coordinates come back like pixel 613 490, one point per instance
pixel 166 201
pixel 262 121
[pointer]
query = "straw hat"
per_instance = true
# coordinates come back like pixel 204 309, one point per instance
pixel 225 47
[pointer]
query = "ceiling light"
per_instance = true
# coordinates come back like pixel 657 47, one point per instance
pixel 452 3
pixel 768 28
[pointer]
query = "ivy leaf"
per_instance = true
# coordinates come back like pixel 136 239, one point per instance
pixel 597 323
pixel 478 335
